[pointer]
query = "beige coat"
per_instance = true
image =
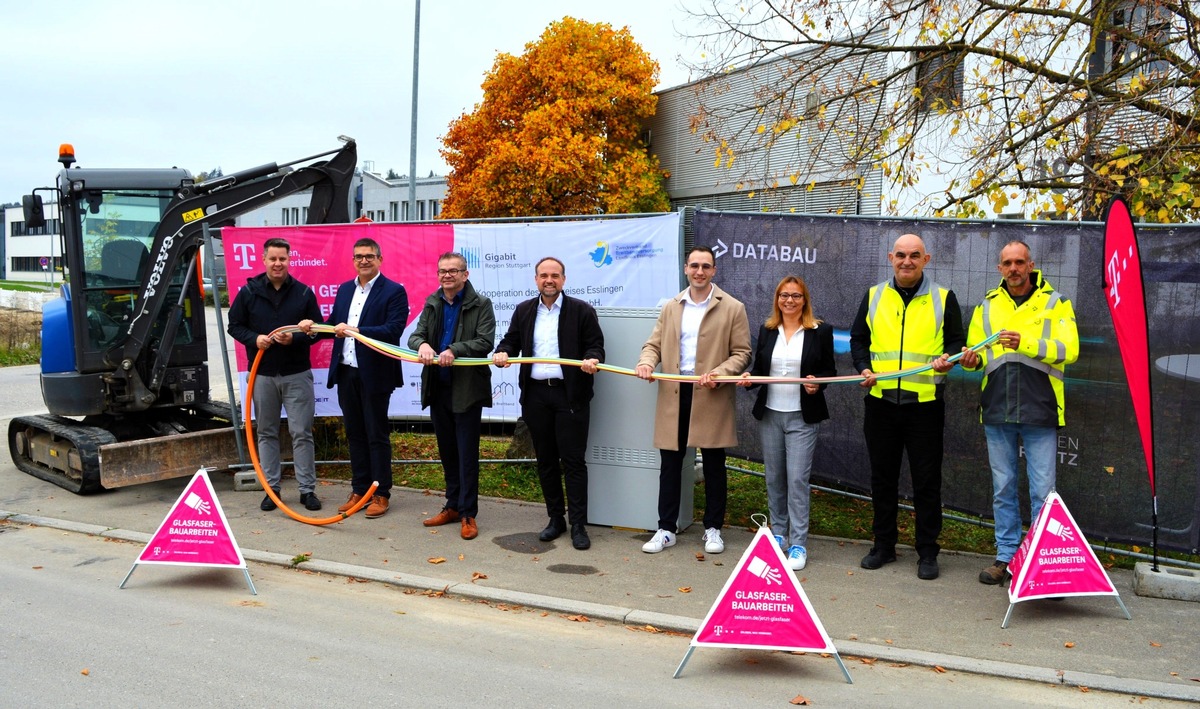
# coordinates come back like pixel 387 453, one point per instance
pixel 724 346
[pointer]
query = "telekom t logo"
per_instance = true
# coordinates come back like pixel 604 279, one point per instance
pixel 243 254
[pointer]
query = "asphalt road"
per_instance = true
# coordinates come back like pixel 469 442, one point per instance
pixel 178 636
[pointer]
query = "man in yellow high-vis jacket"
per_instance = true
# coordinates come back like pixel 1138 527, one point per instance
pixel 1022 390
pixel 902 323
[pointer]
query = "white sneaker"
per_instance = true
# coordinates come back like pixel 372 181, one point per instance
pixel 661 540
pixel 797 557
pixel 712 541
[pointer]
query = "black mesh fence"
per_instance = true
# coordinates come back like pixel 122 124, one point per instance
pixel 1101 471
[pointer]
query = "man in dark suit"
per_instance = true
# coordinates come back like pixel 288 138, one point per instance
pixel 555 399
pixel 376 307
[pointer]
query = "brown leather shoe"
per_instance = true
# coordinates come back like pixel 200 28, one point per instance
pixel 446 516
pixel 378 507
pixel 352 501
pixel 469 529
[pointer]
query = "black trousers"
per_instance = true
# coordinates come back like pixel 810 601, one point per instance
pixel 365 417
pixel 670 474
pixel 560 440
pixel 892 430
pixel 458 445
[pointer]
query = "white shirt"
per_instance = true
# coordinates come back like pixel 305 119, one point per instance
pixel 689 329
pixel 545 339
pixel 349 354
pixel 785 362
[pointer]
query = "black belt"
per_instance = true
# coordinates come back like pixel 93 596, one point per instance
pixel 547 382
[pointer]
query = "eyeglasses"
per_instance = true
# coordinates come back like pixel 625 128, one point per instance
pixel 791 296
pixel 365 257
pixel 701 266
pixel 450 271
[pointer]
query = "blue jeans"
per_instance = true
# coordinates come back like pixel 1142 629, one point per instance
pixel 1041 453
pixel 787 447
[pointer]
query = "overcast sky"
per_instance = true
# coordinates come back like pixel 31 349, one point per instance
pixel 234 84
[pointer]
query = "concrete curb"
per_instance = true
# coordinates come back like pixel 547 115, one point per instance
pixel 661 621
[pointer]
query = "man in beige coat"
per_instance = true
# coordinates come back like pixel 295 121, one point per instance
pixel 702 331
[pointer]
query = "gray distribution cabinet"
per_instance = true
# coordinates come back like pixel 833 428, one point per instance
pixel 621 457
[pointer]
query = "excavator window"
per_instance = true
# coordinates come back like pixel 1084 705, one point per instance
pixel 117 229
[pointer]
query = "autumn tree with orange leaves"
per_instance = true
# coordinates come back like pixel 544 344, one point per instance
pixel 558 130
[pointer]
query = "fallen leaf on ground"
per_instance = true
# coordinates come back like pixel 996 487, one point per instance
pixel 461 557
pixel 578 618
pixel 85 671
pixel 1154 644
pixel 699 556
pixel 1084 689
pixel 475 576
pixel 1068 645
pixel 869 660
pixel 939 669
pixel 800 700
pixel 37 568
pixel 685 589
pixel 437 559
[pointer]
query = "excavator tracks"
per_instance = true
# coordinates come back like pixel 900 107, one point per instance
pixel 59 450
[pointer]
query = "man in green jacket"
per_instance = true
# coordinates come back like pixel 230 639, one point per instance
pixel 1022 389
pixel 456 322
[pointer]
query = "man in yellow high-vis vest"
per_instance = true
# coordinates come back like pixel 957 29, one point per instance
pixel 905 322
pixel 1022 393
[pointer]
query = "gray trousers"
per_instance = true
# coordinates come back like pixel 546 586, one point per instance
pixel 787 447
pixel 292 393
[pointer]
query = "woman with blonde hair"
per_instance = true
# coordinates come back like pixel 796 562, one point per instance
pixel 792 343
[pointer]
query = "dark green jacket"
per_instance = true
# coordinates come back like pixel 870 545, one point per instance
pixel 475 335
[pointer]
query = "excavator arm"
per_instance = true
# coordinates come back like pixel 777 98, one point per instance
pixel 179 234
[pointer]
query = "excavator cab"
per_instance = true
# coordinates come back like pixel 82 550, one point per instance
pixel 108 221
pixel 124 348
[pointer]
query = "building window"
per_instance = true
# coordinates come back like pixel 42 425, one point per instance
pixel 812 104
pixel 420 210
pixel 34 263
pixel 19 229
pixel 939 80
pixel 435 208
pixel 1148 24
pixel 404 210
pixel 394 212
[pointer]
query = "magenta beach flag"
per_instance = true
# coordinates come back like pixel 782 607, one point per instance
pixel 1126 298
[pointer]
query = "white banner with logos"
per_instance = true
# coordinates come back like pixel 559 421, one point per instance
pixel 632 262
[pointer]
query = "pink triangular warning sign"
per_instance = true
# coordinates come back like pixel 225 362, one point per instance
pixel 763 606
pixel 1056 560
pixel 195 531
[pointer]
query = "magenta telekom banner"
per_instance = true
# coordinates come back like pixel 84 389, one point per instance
pixel 633 262
pixel 1126 298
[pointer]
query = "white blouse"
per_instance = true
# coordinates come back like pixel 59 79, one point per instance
pixel 785 362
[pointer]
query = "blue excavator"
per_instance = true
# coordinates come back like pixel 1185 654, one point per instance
pixel 124 370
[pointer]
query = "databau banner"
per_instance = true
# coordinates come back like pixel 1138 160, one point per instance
pixel 633 262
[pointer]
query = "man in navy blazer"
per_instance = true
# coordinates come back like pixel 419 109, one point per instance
pixel 376 307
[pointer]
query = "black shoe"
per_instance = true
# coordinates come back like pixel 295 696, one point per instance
pixel 877 558
pixel 579 537
pixel 927 568
pixel 310 501
pixel 268 505
pixel 554 530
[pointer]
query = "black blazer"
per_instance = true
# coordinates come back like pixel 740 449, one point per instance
pixel 579 337
pixel 384 317
pixel 816 359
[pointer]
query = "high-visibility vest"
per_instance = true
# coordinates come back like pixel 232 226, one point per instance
pixel 1017 383
pixel 903 337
